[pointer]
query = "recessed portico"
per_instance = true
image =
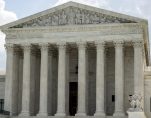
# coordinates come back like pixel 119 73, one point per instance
pixel 88 80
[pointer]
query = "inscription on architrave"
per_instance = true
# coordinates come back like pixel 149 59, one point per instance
pixel 72 15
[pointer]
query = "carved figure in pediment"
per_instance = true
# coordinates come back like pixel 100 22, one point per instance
pixel 25 25
pixel 78 17
pixel 40 21
pixel 55 19
pixel 48 21
pixel 117 21
pixel 87 18
pixel 109 19
pixel 83 17
pixel 96 19
pixel 102 19
pixel 91 18
pixel 71 17
pixel 34 24
pixel 63 18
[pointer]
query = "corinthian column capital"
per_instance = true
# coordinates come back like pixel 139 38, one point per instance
pixel 100 44
pixel 9 46
pixel 61 45
pixel 81 45
pixel 26 46
pixel 44 46
pixel 118 44
pixel 138 44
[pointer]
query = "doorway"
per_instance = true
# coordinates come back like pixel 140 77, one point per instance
pixel 73 94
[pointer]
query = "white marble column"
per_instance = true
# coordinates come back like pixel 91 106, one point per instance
pixel 67 80
pixel 138 69
pixel 119 80
pixel 26 81
pixel 20 83
pixel 9 74
pixel 81 79
pixel 15 84
pixel 43 111
pixel 50 83
pixel 100 80
pixel 32 82
pixel 61 80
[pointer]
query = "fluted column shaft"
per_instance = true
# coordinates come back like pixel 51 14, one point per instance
pixel 9 87
pixel 119 80
pixel 15 85
pixel 61 80
pixel 26 81
pixel 100 79
pixel 138 69
pixel 43 110
pixel 81 80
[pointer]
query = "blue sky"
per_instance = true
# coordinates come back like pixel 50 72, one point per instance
pixel 27 7
pixel 11 10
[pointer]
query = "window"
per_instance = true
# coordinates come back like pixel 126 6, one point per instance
pixel 113 98
pixel 1 105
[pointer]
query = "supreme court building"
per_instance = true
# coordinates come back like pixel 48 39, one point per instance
pixel 75 60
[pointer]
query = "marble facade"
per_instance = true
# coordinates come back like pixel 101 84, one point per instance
pixel 103 52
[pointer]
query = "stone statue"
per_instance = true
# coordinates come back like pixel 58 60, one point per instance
pixel 48 21
pixel 40 21
pixel 96 19
pixel 102 19
pixel 71 17
pixel 78 17
pixel 63 18
pixel 87 19
pixel 83 17
pixel 55 20
pixel 91 18
pixel 136 103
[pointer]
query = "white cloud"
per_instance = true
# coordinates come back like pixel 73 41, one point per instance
pixel 5 17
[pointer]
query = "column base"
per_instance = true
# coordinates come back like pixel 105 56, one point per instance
pixel 119 114
pixel 44 114
pixel 136 115
pixel 99 114
pixel 24 113
pixel 13 114
pixel 80 114
pixel 60 114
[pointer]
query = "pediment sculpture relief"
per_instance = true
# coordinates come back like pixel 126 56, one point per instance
pixel 72 16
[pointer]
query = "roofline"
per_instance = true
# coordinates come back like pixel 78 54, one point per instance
pixel 74 4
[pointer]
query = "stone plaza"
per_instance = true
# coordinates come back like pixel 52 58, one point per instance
pixel 76 60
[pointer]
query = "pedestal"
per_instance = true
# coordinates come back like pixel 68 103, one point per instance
pixel 136 115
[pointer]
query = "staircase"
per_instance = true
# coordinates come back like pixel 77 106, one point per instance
pixel 5 116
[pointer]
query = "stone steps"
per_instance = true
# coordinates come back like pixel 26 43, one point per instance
pixel 5 116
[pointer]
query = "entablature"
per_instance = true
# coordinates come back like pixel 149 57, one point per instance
pixel 70 31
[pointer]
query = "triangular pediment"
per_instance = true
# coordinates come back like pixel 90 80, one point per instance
pixel 71 13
